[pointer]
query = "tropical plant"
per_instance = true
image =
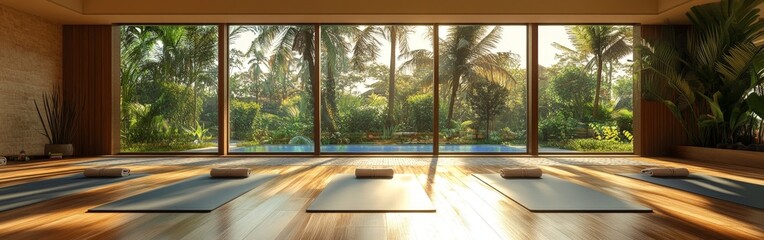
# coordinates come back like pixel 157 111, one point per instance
pixel 168 83
pixel 198 132
pixel 60 116
pixel 706 79
pixel 467 56
pixel 601 44
pixel 367 48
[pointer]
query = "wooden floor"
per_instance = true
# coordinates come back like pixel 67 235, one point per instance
pixel 466 208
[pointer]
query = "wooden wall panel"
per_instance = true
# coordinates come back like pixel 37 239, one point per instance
pixel 659 130
pixel 87 77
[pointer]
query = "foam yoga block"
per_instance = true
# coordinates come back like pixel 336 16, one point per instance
pixel 520 172
pixel 374 173
pixel 107 172
pixel 667 172
pixel 230 172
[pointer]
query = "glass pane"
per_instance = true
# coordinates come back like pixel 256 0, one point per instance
pixel 585 88
pixel 168 88
pixel 377 88
pixel 483 93
pixel 271 100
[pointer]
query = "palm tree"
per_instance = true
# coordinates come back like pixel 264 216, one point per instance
pixel 335 47
pixel 188 56
pixel 603 44
pixel 467 55
pixel 286 40
pixel 367 47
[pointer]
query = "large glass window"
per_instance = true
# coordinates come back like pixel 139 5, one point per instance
pixel 483 93
pixel 585 88
pixel 168 86
pixel 376 88
pixel 271 100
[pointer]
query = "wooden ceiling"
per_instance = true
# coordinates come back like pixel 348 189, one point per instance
pixel 339 11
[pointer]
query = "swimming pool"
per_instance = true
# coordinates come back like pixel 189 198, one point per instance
pixel 398 148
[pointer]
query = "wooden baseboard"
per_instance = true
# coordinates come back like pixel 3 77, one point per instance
pixel 723 156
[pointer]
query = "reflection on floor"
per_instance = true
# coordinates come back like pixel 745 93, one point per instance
pixel 466 207
pixel 387 148
pixel 366 161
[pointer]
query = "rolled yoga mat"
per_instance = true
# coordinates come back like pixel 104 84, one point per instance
pixel 30 193
pixel 3 161
pixel 346 193
pixel 374 173
pixel 520 172
pixel 743 193
pixel 198 194
pixel 667 172
pixel 551 194
pixel 230 172
pixel 106 172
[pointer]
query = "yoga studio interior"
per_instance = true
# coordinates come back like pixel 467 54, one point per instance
pixel 394 119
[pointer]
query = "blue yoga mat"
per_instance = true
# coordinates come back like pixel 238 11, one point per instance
pixel 198 194
pixel 17 196
pixel 551 194
pixel 744 193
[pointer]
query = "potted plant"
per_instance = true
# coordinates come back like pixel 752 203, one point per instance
pixel 58 123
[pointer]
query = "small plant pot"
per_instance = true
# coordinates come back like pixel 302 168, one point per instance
pixel 65 149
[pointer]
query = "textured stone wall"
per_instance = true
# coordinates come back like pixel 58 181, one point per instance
pixel 30 64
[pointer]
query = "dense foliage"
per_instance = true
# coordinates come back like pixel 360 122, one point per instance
pixel 168 73
pixel 712 79
pixel 376 87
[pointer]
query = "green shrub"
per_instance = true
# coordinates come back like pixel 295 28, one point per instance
pixel 610 133
pixel 557 127
pixel 624 120
pixel 420 112
pixel 177 105
pixel 263 127
pixel 362 120
pixel 242 117
pixel 487 99
pixel 594 145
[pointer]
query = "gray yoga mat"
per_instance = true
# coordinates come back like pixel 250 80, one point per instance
pixel 744 193
pixel 551 194
pixel 346 193
pixel 17 196
pixel 198 194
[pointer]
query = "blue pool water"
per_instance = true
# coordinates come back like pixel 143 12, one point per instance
pixel 365 148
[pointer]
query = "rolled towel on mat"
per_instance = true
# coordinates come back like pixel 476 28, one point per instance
pixel 667 172
pixel 107 172
pixel 520 172
pixel 230 172
pixel 374 173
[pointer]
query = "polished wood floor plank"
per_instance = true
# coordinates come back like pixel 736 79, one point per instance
pixel 466 207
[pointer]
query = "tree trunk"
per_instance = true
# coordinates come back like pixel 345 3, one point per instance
pixel 391 81
pixel 610 81
pixel 307 56
pixel 452 99
pixel 597 90
pixel 329 106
